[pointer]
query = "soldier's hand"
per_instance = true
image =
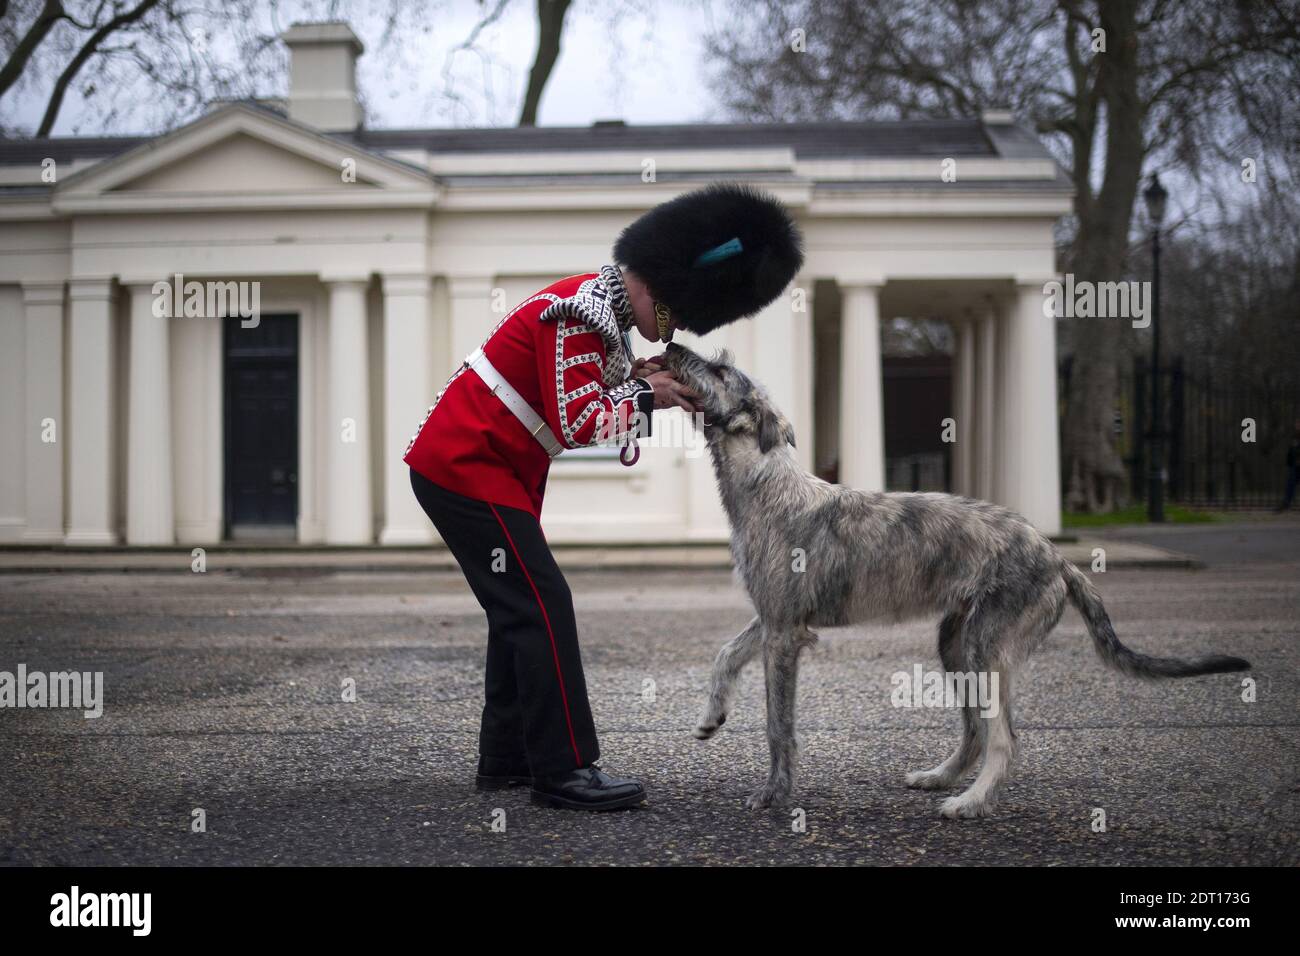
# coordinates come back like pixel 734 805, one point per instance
pixel 643 367
pixel 670 393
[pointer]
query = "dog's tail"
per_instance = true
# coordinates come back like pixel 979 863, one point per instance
pixel 1114 654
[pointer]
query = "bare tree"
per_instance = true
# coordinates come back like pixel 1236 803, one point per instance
pixel 550 27
pixel 23 44
pixel 175 55
pixel 93 44
pixel 1115 86
pixel 159 62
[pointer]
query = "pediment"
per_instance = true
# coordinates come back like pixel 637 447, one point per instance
pixel 239 163
pixel 248 155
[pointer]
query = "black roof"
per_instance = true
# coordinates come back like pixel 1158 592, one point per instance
pixel 64 149
pixel 900 139
pixel 809 140
pixel 904 138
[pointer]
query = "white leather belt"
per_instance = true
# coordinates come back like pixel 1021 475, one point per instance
pixel 512 400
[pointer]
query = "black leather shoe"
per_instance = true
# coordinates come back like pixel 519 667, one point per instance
pixel 497 773
pixel 588 788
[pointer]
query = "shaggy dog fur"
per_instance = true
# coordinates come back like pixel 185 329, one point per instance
pixel 998 586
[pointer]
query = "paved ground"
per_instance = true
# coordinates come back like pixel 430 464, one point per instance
pixel 223 692
pixel 1120 553
pixel 1235 542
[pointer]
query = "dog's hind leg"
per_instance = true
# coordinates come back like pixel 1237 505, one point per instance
pixel 731 660
pixel 995 646
pixel 999 752
pixel 967 753
pixel 781 668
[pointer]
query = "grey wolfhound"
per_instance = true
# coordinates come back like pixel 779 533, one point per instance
pixel 998 585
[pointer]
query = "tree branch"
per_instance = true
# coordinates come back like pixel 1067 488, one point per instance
pixel 50 14
pixel 87 50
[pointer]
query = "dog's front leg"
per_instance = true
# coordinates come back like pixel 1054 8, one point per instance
pixel 781 666
pixel 731 659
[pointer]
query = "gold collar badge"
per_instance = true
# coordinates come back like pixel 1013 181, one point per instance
pixel 662 318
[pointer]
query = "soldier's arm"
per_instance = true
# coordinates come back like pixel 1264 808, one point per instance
pixel 577 405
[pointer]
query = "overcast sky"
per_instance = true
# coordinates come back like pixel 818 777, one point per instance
pixel 637 60
pixel 614 64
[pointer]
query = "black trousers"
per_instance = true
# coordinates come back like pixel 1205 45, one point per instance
pixel 535 696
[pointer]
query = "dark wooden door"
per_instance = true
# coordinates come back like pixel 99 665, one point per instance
pixel 261 418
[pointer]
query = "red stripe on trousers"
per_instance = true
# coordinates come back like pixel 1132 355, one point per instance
pixel 549 633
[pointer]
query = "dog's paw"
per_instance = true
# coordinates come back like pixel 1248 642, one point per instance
pixel 964 808
pixel 767 796
pixel 708 726
pixel 927 780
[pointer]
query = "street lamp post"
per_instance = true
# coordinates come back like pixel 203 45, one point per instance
pixel 1155 196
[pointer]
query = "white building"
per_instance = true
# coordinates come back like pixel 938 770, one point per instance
pixel 383 257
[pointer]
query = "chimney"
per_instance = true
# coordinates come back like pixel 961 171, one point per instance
pixel 323 75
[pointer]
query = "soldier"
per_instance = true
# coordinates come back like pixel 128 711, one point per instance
pixel 556 373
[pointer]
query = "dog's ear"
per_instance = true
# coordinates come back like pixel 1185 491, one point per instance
pixel 773 429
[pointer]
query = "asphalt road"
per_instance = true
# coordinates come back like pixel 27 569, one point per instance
pixel 223 693
pixel 1274 541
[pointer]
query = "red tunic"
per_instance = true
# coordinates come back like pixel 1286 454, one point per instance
pixel 470 442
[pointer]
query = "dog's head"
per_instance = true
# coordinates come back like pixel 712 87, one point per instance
pixel 733 404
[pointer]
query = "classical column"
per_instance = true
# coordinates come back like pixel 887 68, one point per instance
pixel 349 515
pixel 776 352
pixel 407 394
pixel 150 517
pixel 963 394
pixel 801 298
pixel 986 433
pixel 862 428
pixel 966 424
pixel 1039 485
pixel 471 315
pixel 957 477
pixel 44 428
pixel 1007 401
pixel 90 427
pixel 197 440
pixel 314 430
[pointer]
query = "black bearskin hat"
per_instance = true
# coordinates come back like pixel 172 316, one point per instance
pixel 714 255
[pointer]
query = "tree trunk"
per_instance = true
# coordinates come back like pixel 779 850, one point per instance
pixel 550 27
pixel 87 50
pixel 1091 457
pixel 50 14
